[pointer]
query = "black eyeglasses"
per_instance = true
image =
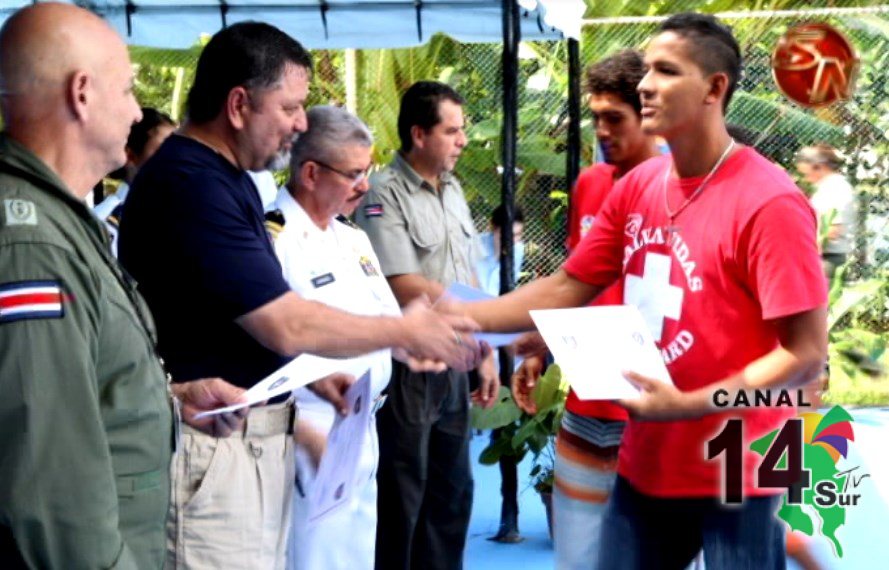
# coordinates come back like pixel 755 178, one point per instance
pixel 355 177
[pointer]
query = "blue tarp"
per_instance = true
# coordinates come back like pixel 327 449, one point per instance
pixel 316 24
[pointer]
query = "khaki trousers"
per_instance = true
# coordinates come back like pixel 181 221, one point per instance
pixel 231 497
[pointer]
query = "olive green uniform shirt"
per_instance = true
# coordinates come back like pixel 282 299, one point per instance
pixel 416 229
pixel 85 416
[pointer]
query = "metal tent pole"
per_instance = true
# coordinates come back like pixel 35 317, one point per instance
pixel 572 169
pixel 510 71
pixel 509 508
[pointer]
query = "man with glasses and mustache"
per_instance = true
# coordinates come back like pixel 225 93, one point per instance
pixel 196 242
pixel 327 259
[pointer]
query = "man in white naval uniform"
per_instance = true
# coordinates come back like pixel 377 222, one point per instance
pixel 332 262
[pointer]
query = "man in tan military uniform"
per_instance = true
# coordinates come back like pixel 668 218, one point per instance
pixel 421 229
pixel 85 417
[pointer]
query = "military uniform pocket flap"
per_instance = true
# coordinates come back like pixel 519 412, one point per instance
pixel 129 485
pixel 426 233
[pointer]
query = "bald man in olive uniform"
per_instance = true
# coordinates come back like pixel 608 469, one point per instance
pixel 86 420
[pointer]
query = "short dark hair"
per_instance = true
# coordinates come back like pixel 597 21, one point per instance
pixel 498 216
pixel 141 132
pixel 715 48
pixel 741 134
pixel 419 106
pixel 619 74
pixel 248 54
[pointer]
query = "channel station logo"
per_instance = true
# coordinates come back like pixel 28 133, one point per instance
pixel 803 457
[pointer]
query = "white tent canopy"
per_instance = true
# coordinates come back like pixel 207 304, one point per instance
pixel 332 24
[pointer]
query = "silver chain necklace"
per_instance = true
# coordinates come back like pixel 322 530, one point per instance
pixel 672 228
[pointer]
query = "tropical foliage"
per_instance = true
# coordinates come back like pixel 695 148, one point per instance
pixel 858 328
pixel 778 127
pixel 521 433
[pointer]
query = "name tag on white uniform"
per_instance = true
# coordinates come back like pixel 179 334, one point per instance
pixel 323 280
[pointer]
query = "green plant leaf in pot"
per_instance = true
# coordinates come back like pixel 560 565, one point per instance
pixel 502 413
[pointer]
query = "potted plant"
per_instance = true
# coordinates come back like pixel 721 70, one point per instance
pixel 522 433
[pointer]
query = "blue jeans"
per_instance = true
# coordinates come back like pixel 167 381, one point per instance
pixel 652 533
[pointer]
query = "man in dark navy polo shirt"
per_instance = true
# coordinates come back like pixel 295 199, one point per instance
pixel 196 243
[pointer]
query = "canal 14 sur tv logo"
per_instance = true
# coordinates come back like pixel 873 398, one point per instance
pixel 803 457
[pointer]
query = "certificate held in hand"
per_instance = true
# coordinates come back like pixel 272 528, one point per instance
pixel 594 346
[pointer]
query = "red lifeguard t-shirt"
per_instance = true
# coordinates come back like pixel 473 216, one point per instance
pixel 592 187
pixel 742 254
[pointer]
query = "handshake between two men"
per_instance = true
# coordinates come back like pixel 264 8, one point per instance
pixel 427 338
pixel 437 337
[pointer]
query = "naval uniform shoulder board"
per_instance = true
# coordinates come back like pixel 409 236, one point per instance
pixel 384 176
pixel 274 223
pixel 346 221
pixel 113 218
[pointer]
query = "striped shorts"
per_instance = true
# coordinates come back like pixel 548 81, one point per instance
pixel 585 472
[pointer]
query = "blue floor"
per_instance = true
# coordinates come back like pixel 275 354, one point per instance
pixel 482 554
pixel 865 536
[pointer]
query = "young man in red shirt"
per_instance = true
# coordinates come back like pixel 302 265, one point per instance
pixel 589 437
pixel 716 246
pixel 617 120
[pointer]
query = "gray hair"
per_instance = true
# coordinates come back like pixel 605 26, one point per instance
pixel 330 129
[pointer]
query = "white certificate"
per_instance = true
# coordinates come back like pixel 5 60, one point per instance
pixel 335 481
pixel 595 345
pixel 302 370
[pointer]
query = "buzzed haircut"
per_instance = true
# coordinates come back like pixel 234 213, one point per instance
pixel 248 54
pixel 419 106
pixel 714 48
pixel 618 74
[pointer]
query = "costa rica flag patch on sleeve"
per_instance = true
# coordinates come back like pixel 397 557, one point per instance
pixel 373 210
pixel 23 300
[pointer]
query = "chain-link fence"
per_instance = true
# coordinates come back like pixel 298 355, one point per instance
pixel 779 128
pixel 371 81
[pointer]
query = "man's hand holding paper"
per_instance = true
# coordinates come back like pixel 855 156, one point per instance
pixel 657 401
pixel 335 481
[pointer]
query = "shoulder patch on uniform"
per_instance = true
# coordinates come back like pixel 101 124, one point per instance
pixel 373 210
pixel 19 212
pixel 347 222
pixel 114 217
pixel 22 300
pixel 274 223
